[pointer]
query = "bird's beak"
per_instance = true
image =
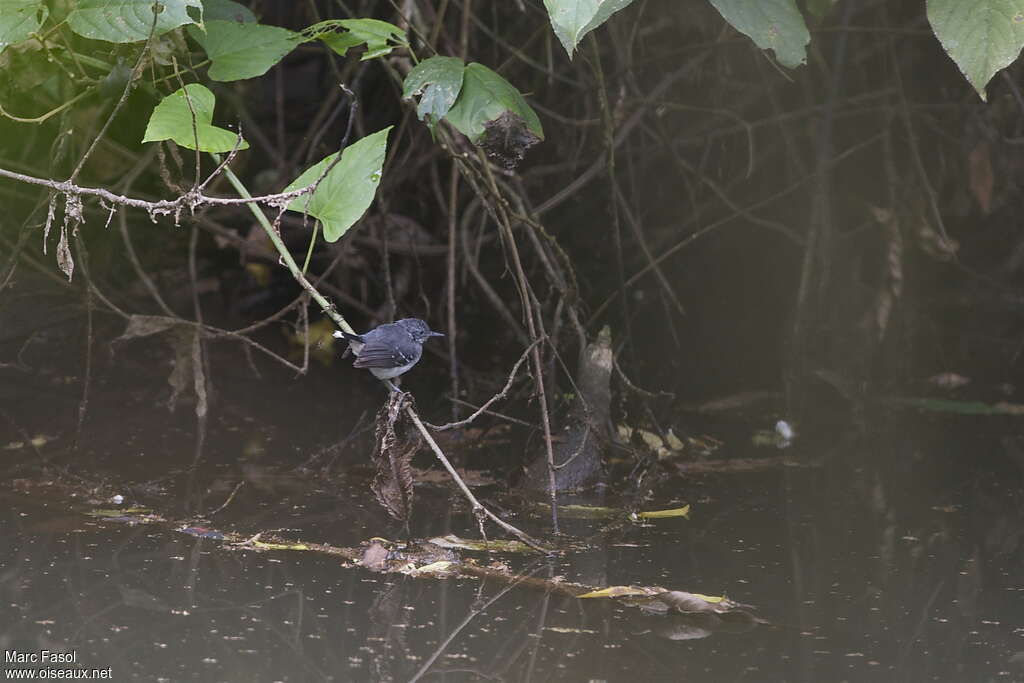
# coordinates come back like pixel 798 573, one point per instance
pixel 435 334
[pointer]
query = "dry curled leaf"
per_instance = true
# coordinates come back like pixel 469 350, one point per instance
pixel 506 139
pixel 392 455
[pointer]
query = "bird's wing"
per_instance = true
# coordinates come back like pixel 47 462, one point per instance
pixel 381 356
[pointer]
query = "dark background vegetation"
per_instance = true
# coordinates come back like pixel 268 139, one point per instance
pixel 845 229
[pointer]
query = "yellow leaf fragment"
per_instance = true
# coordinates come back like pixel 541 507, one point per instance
pixel 279 546
pixel 662 514
pixel 620 591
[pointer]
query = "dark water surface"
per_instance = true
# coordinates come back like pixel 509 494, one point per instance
pixel 898 558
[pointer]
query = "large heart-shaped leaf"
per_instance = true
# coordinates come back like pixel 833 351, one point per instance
pixel 19 19
pixel 128 21
pixel 347 190
pixel 437 81
pixel 775 25
pixel 172 120
pixel 573 19
pixel 243 50
pixel 484 97
pixel 982 36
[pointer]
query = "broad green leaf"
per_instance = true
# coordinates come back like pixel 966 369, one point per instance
pixel 243 50
pixel 339 42
pixel 172 120
pixel 19 19
pixel 775 25
pixel 437 81
pixel 128 21
pixel 376 34
pixel 573 19
pixel 346 192
pixel 226 10
pixel 982 36
pixel 484 97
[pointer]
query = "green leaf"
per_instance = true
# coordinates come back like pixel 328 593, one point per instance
pixel 19 19
pixel 982 36
pixel 226 10
pixel 172 120
pixel 243 50
pixel 346 192
pixel 339 42
pixel 376 34
pixel 380 37
pixel 485 96
pixel 128 21
pixel 775 25
pixel 437 81
pixel 573 19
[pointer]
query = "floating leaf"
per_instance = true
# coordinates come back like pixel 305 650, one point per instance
pixel 573 19
pixel 437 81
pixel 260 545
pixel 347 191
pixel 120 512
pixel 243 50
pixel 441 568
pixel 172 120
pixel 775 25
pixel 681 601
pixel 129 21
pixel 982 36
pixel 621 591
pixel 663 514
pixel 19 19
pixel 453 541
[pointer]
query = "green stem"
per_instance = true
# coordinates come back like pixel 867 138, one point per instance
pixel 327 307
pixel 309 251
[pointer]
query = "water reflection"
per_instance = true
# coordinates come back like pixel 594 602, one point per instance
pixel 896 560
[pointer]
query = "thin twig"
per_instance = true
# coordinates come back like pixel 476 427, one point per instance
pixel 494 399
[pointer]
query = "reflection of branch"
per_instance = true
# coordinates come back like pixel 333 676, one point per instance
pixel 465 622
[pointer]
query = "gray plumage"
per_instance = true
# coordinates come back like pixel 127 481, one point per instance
pixel 389 350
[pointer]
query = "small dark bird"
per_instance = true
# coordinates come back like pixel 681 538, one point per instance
pixel 389 350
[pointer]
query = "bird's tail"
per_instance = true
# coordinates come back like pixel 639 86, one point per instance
pixel 338 334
